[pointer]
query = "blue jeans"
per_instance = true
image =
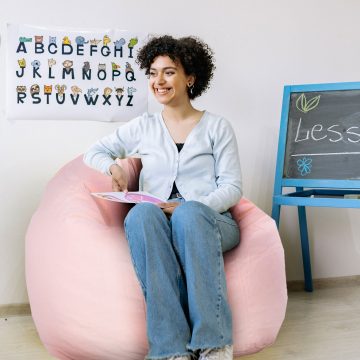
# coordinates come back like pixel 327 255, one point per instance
pixel 180 267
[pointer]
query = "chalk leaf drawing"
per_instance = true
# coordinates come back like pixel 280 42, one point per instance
pixel 304 166
pixel 305 105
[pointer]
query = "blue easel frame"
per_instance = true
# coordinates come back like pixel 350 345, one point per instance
pixel 320 192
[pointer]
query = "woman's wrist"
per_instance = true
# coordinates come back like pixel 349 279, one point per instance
pixel 112 167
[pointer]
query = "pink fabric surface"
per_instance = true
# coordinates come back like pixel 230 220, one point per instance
pixel 85 299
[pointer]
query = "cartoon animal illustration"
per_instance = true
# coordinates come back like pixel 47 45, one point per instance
pixel 119 91
pixel 102 67
pixel 132 42
pixel 47 89
pixel 94 42
pixel 80 40
pixel 86 66
pixel 76 90
pixel 66 40
pixel 51 62
pixel 23 39
pixel 22 63
pixel 106 40
pixel 115 66
pixel 35 89
pixel 128 68
pixel 52 40
pixel 21 89
pixel 131 90
pixel 60 89
pixel 67 65
pixel 119 43
pixel 91 92
pixel 36 64
pixel 39 39
pixel 107 91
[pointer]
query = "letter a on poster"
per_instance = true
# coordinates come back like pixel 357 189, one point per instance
pixel 57 74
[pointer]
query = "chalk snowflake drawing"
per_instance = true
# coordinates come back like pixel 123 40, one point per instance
pixel 305 105
pixel 304 166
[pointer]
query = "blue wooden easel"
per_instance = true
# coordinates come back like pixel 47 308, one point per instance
pixel 310 191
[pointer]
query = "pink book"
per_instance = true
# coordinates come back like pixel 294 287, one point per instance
pixel 133 197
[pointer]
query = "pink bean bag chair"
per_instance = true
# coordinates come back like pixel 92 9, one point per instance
pixel 85 299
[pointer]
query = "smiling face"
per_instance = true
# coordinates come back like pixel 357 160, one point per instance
pixel 168 81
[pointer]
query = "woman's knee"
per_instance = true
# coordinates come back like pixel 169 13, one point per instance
pixel 190 221
pixel 142 213
pixel 146 228
pixel 190 212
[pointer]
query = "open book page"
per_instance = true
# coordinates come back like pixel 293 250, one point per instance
pixel 131 197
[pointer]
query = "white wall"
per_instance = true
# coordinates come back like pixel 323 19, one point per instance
pixel 260 46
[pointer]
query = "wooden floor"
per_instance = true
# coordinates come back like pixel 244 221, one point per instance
pixel 323 325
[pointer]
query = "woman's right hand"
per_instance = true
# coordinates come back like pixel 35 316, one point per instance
pixel 119 178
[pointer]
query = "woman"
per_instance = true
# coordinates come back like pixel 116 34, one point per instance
pixel 189 157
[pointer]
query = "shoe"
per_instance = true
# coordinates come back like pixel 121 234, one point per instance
pixel 225 353
pixel 178 357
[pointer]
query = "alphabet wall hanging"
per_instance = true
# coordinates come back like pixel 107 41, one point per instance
pixel 55 74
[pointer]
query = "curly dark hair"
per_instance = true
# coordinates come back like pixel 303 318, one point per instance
pixel 195 56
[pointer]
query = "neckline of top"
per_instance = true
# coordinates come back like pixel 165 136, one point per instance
pixel 190 133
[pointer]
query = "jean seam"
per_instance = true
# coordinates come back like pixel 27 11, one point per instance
pixel 177 252
pixel 178 255
pixel 227 222
pixel 219 253
pixel 127 233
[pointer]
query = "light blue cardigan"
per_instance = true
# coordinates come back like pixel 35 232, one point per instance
pixel 207 169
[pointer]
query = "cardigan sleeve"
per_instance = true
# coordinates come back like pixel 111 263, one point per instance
pixel 122 143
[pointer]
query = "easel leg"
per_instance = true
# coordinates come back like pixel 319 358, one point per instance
pixel 275 214
pixel 305 248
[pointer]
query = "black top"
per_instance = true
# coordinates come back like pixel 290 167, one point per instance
pixel 175 189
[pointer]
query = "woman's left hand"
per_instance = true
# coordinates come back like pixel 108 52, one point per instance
pixel 169 207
